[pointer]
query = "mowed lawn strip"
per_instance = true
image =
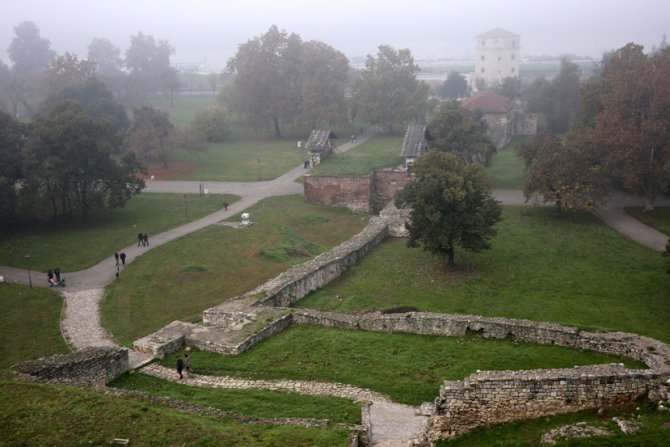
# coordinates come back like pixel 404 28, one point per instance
pixel 659 218
pixel 569 269
pixel 507 170
pixel 251 403
pixel 29 324
pixel 80 244
pixel 179 280
pixel 407 367
pixel 41 414
pixel 378 152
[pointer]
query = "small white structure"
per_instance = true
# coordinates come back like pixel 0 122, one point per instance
pixel 497 56
pixel 246 222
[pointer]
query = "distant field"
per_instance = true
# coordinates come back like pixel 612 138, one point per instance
pixel 184 107
pixel 569 269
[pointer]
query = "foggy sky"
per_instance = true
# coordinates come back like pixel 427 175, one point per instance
pixel 209 31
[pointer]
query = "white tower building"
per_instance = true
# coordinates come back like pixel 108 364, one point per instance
pixel 497 56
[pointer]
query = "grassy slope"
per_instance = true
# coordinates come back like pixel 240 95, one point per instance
pixel 506 169
pixel 410 368
pixel 379 152
pixel 81 244
pixel 29 324
pixel 251 403
pixel 568 269
pixel 181 279
pixel 38 414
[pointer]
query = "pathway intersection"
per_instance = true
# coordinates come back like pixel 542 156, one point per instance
pixel 392 424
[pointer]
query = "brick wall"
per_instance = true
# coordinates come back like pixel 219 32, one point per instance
pixel 352 193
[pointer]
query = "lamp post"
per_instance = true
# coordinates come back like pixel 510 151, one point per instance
pixel 185 206
pixel 30 279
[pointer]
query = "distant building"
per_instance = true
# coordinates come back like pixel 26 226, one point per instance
pixel 497 56
pixel 415 143
pixel 319 145
pixel 502 118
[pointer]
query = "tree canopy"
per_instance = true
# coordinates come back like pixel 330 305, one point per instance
pixel 455 130
pixel 569 174
pixel 150 135
pixel 454 87
pixel 387 92
pixel 630 121
pixel 452 205
pixel 68 163
pixel 12 136
pixel 278 78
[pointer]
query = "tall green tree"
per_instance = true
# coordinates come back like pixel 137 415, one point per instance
pixel 569 174
pixel 148 62
pixel 211 124
pixel 388 92
pixel 266 82
pixel 68 71
pixel 69 164
pixel 454 87
pixel 151 135
pixel 455 130
pixel 452 206
pixel 31 55
pixel 12 136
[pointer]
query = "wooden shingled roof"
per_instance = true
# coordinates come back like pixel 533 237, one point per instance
pixel 319 140
pixel 416 141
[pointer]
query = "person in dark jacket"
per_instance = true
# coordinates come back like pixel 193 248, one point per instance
pixel 180 367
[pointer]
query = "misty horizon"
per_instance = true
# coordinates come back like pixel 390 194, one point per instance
pixel 208 33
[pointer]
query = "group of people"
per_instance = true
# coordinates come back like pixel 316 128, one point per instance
pixel 54 278
pixel 184 364
pixel 143 239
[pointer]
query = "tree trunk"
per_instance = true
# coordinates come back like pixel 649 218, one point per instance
pixel 275 120
pixel 450 257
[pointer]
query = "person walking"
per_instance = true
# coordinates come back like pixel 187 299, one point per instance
pixel 116 257
pixel 180 367
pixel 187 364
pixel 122 255
pixel 140 239
pixel 145 239
pixel 50 278
pixel 57 274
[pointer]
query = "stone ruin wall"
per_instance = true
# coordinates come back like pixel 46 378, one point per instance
pixel 494 397
pixel 90 366
pixel 352 193
pixel 360 194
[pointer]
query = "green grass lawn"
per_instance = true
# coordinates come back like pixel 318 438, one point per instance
pixel 83 243
pixel 409 368
pixel 378 152
pixel 659 218
pixel 569 269
pixel 29 324
pixel 250 403
pixel 529 433
pixel 506 170
pixel 35 414
pixel 183 109
pixel 181 279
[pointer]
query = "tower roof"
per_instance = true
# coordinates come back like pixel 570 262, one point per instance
pixel 498 32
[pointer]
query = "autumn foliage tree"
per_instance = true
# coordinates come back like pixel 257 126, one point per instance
pixel 452 205
pixel 569 174
pixel 631 119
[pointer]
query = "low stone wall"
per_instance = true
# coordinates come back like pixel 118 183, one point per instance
pixel 167 340
pixel 494 397
pixel 90 366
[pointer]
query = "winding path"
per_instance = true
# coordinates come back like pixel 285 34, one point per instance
pixel 393 424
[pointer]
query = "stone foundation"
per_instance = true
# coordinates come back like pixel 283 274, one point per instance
pixel 90 366
pixel 494 397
